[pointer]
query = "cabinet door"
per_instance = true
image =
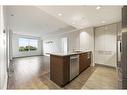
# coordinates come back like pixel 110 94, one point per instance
pixel 66 69
pixel 82 62
pixel 56 69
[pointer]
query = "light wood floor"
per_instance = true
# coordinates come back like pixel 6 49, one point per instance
pixel 33 73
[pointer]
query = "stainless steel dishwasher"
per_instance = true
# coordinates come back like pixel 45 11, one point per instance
pixel 74 66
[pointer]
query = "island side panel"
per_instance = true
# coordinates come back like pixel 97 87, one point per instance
pixel 59 69
pixel 66 69
pixel 56 69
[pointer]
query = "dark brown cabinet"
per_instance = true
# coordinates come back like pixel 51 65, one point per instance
pixel 84 61
pixel 60 67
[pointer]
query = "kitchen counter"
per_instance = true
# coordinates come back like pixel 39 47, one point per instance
pixel 68 53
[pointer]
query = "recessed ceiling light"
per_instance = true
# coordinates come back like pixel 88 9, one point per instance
pixel 59 14
pixel 81 27
pixel 103 21
pixel 98 7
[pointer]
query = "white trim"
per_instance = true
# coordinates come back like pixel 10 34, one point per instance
pixel 105 65
pixel 5 82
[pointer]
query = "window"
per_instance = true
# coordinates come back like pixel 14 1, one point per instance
pixel 33 44
pixel 27 44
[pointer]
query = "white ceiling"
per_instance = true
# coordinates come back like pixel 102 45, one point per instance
pixel 43 20
pixel 85 16
pixel 30 20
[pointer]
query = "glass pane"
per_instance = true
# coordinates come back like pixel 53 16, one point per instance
pixel 23 44
pixel 33 44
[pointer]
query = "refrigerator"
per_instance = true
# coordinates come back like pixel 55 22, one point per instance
pixel 122 51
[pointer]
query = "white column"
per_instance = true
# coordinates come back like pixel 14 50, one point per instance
pixel 3 71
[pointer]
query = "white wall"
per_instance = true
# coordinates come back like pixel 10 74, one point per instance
pixel 64 44
pixel 10 45
pixel 15 46
pixel 6 28
pixel 87 41
pixel 3 60
pixel 72 37
pixel 105 45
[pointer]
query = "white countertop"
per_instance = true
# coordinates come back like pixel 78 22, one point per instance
pixel 67 53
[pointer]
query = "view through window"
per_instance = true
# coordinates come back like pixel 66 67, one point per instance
pixel 27 44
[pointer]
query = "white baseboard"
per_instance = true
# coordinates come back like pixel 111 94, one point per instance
pixel 105 65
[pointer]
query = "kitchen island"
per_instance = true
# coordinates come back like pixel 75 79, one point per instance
pixel 66 66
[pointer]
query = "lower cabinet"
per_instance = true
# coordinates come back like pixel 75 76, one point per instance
pixel 84 61
pixel 60 67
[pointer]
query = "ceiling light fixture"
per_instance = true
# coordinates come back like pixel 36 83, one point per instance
pixel 98 7
pixel 103 21
pixel 59 14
